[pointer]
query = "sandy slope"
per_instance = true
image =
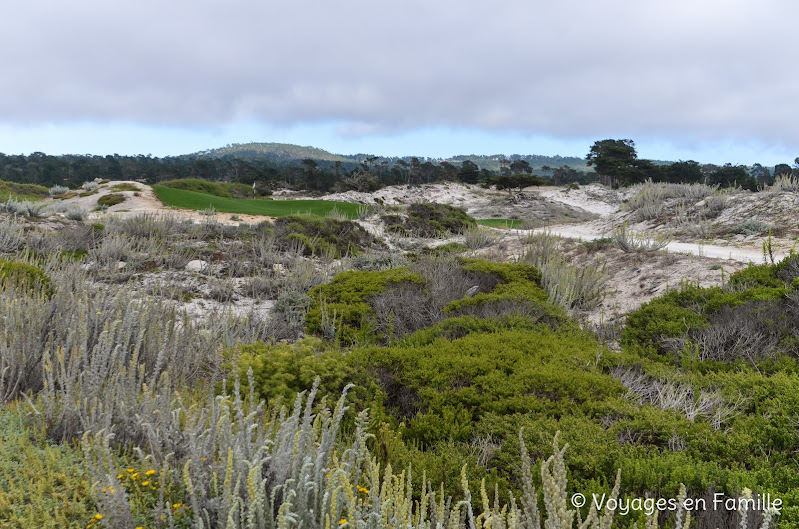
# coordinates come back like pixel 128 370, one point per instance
pixel 593 198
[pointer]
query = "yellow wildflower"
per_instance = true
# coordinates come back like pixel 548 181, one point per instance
pixel 120 476
pixel 98 516
pixel 149 473
pixel 145 483
pixel 176 505
pixel 130 470
pixel 342 521
pixel 135 476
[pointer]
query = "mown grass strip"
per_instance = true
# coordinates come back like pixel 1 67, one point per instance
pixel 507 224
pixel 275 208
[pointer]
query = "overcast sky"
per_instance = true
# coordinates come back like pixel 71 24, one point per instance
pixel 710 80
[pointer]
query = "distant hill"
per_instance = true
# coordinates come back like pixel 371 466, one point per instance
pixel 280 153
pixel 284 154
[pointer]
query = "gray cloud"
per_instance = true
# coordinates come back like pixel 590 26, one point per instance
pixel 680 70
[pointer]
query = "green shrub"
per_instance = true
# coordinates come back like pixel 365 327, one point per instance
pixel 429 220
pixel 506 272
pixel 111 199
pixel 125 186
pixel 284 370
pixel 511 371
pixel 757 275
pixel 460 326
pixel 657 320
pixel 313 235
pixel 381 306
pixel 754 299
pixel 450 248
pixel 23 275
pixel 518 292
pixel 340 308
pixel 41 485
pixel 595 245
pixel 378 261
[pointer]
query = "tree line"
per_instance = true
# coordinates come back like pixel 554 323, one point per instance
pixel 369 174
pixel 617 163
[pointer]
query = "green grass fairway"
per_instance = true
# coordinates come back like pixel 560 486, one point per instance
pixel 273 208
pixel 507 224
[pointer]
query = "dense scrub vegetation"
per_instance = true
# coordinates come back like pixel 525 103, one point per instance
pixel 310 235
pixel 452 357
pixel 428 220
pixel 381 306
pixel 752 317
pixel 461 387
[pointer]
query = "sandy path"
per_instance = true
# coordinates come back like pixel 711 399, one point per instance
pixel 603 202
pixel 589 231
